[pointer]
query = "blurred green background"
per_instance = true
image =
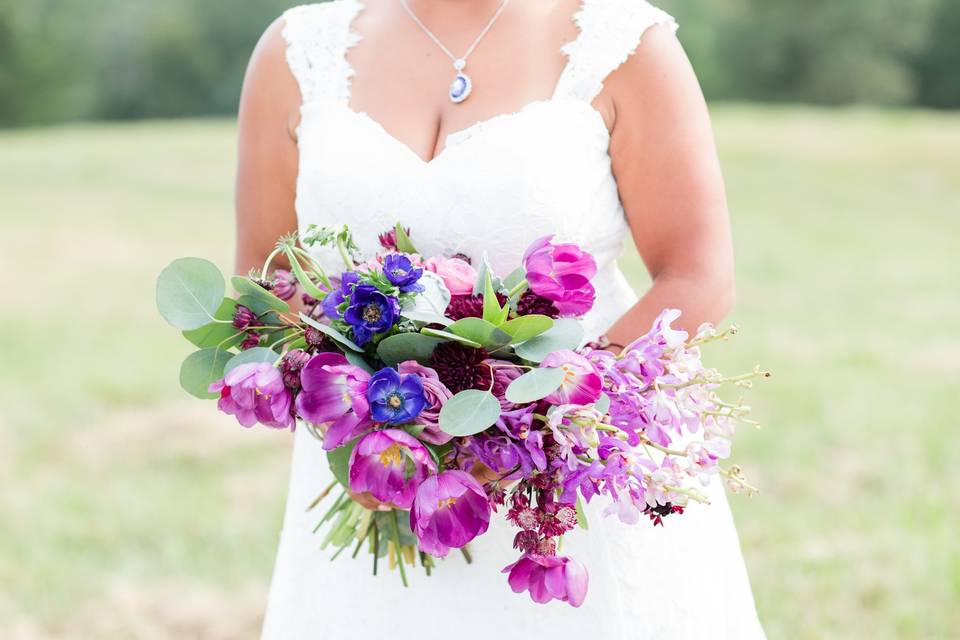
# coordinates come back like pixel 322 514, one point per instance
pixel 131 511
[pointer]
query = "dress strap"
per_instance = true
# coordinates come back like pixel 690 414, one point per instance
pixel 318 37
pixel 610 31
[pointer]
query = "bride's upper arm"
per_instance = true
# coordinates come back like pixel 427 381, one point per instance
pixel 665 161
pixel 267 151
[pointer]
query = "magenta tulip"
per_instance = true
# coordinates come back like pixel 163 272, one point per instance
pixel 549 578
pixel 254 392
pixel 334 394
pixel 449 510
pixel 561 273
pixel 390 465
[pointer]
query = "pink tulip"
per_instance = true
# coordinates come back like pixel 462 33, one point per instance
pixel 561 273
pixel 549 578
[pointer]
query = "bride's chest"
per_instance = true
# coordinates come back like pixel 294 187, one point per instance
pixel 495 186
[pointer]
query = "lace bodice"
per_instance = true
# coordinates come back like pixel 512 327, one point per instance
pixel 496 186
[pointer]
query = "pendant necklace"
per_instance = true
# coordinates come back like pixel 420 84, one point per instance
pixel 461 86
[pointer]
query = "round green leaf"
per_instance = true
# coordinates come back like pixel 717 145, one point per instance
pixel 534 385
pixel 223 334
pixel 449 337
pixel 339 460
pixel 189 292
pixel 201 369
pixel 527 327
pixel 247 287
pixel 565 334
pixel 406 346
pixel 469 412
pixel 602 404
pixel 257 354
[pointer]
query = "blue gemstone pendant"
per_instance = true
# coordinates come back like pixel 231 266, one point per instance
pixel 460 88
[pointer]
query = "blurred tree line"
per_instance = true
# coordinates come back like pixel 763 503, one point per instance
pixel 123 59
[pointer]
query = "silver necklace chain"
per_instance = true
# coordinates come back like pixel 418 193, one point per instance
pixel 458 62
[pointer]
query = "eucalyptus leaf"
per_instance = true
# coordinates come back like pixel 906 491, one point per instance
pixel 406 346
pixel 339 461
pixel 220 334
pixel 247 287
pixel 189 292
pixel 434 299
pixel 404 244
pixel 480 331
pixel 333 334
pixel 266 315
pixel 534 385
pixel 469 412
pixel 602 404
pixel 201 369
pixel 526 328
pixel 449 337
pixel 257 354
pixel 515 277
pixel 565 334
pixel 426 317
pixel 357 360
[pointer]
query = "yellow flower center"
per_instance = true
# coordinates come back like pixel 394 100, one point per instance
pixel 395 401
pixel 449 502
pixel 391 456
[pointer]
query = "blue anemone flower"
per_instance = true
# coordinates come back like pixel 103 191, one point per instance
pixel 370 312
pixel 335 298
pixel 401 273
pixel 395 398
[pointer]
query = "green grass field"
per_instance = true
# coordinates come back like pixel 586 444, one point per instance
pixel 129 510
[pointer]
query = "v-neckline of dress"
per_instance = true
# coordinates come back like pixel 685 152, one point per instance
pixel 465 132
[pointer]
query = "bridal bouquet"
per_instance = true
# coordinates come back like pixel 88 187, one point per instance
pixel 449 393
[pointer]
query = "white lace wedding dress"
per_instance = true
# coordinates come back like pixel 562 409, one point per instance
pixel 496 186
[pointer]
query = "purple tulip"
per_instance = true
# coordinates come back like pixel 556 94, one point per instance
pixel 450 510
pixel 582 383
pixel 334 393
pixel 435 393
pixel 390 465
pixel 561 273
pixel 254 392
pixel 549 578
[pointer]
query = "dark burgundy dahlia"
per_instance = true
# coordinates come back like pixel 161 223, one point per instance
pixel 461 368
pixel 530 304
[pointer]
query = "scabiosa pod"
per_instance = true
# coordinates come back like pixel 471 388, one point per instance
pixel 390 465
pixel 255 392
pixel 449 510
pixel 549 578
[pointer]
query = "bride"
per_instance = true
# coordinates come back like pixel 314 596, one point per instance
pixel 487 124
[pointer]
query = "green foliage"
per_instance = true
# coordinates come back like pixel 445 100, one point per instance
pixel 469 412
pixel 534 385
pixel 124 59
pixel 189 292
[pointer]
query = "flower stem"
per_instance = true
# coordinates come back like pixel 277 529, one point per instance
pixel 518 289
pixel 466 555
pixel 396 542
pixel 342 248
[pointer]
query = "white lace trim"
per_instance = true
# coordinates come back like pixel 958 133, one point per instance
pixel 610 32
pixel 318 37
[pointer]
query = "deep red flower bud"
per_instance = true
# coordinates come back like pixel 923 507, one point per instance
pixel 284 284
pixel 291 366
pixel 252 340
pixel 243 317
